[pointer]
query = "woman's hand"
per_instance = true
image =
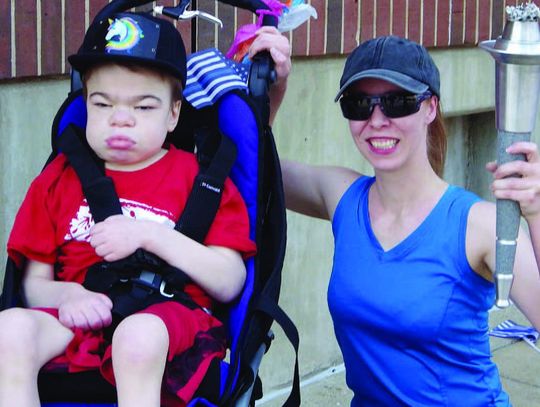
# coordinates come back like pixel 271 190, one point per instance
pixel 270 39
pixel 523 188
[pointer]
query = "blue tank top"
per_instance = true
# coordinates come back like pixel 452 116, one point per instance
pixel 412 322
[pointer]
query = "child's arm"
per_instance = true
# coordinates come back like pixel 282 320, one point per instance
pixel 218 270
pixel 77 306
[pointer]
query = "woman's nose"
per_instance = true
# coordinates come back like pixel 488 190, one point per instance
pixel 378 118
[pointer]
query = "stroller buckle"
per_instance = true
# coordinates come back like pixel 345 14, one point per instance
pixel 162 290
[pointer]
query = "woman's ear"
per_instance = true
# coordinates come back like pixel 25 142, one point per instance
pixel 432 109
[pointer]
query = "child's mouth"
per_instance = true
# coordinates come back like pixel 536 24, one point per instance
pixel 119 142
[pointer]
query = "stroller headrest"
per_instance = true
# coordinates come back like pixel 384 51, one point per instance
pixel 133 38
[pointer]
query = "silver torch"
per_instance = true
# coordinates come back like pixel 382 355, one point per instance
pixel 517 87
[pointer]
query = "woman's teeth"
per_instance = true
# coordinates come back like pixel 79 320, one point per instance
pixel 383 144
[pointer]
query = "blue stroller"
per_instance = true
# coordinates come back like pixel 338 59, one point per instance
pixel 233 119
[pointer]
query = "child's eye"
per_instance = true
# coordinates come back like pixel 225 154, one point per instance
pixel 101 104
pixel 144 107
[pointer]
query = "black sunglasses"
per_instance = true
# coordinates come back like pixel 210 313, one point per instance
pixel 393 105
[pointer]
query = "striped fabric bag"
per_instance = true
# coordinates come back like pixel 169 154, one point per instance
pixel 210 75
pixel 509 329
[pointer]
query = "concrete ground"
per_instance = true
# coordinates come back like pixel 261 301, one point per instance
pixel 519 366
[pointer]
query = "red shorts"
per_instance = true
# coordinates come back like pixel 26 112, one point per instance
pixel 195 339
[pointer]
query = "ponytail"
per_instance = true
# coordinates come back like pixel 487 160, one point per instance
pixel 437 143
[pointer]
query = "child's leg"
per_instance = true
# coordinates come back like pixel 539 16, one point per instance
pixel 139 352
pixel 28 340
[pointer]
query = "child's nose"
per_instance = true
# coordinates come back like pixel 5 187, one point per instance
pixel 122 116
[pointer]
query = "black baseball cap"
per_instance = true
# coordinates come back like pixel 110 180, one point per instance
pixel 396 60
pixel 133 37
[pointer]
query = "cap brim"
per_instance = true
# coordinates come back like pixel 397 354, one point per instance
pixel 81 62
pixel 398 79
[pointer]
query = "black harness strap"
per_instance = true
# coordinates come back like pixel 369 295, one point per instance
pixel 97 188
pixel 216 155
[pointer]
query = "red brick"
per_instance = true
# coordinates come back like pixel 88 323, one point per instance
pixel 414 20
pixel 350 25
pixel 483 22
pixel 366 20
pixel 456 24
pixel 26 38
pixel 382 23
pixel 225 34
pixel 428 34
pixel 333 32
pixel 443 17
pixel 205 30
pixel 299 40
pixel 399 18
pixel 74 27
pixel 318 29
pixel 5 39
pixel 497 17
pixel 51 37
pixel 95 7
pixel 470 22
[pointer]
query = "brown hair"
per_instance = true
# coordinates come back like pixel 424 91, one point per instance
pixel 437 143
pixel 175 84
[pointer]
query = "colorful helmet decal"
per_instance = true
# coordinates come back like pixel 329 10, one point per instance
pixel 123 34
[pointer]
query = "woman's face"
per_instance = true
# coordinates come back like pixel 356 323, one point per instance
pixel 391 144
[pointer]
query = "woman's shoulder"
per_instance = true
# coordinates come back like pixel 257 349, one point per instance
pixel 480 237
pixel 339 181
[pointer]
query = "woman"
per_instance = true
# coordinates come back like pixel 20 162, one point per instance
pixel 412 278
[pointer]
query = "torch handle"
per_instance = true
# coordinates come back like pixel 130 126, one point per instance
pixel 508 219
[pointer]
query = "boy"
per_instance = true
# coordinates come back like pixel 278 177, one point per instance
pixel 133 70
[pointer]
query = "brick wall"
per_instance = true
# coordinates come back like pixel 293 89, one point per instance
pixel 36 36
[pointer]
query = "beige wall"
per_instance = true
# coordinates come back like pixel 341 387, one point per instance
pixel 310 129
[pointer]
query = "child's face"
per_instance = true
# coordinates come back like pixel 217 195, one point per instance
pixel 129 116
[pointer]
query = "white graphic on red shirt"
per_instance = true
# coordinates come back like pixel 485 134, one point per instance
pixel 80 225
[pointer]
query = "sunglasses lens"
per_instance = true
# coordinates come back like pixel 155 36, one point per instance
pixel 395 106
pixel 356 107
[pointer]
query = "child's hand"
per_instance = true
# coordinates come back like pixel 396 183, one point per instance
pixel 270 39
pixel 525 190
pixel 86 310
pixel 117 237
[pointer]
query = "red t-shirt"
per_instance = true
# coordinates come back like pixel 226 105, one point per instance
pixel 53 222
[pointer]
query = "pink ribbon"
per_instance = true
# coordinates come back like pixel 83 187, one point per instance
pixel 246 34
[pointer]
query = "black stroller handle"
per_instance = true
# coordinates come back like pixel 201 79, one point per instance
pixel 118 6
